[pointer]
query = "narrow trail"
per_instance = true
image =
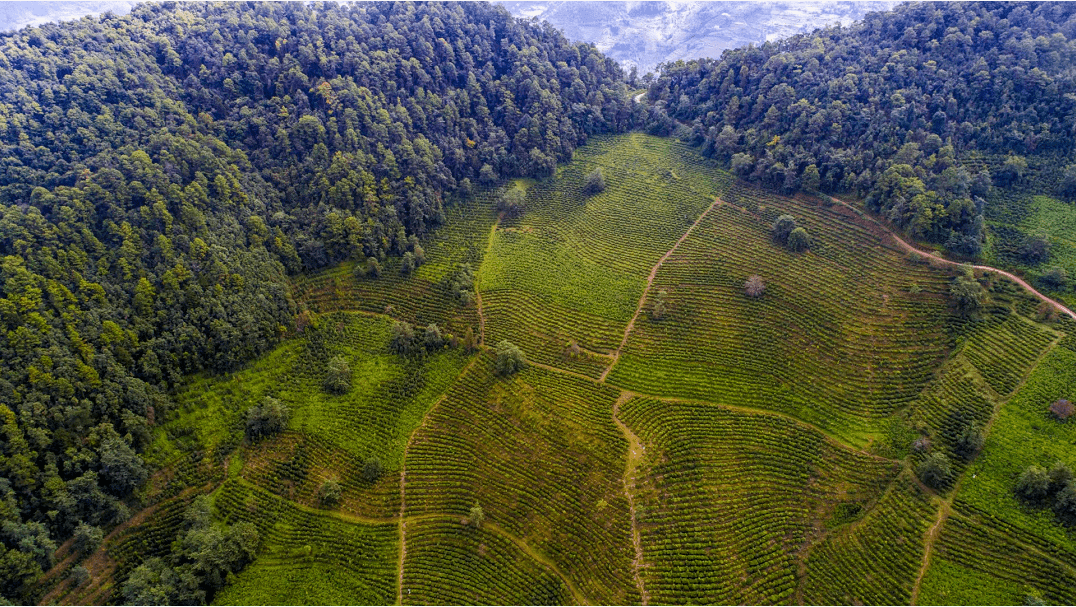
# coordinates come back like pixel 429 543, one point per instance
pixel 402 520
pixel 650 283
pixel 477 292
pixel 948 262
pixel 931 536
pixel 634 458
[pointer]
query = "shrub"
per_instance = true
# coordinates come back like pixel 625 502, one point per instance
pixel 799 240
pixel 935 470
pixel 402 338
pixel 407 263
pixel 509 358
pixel 266 419
pixel 87 538
pixel 966 293
pixel 79 575
pixel 476 516
pixel 754 287
pixel 338 378
pixel 595 183
pixel 782 228
pixel 1065 503
pixel 329 493
pixel 661 306
pixel 373 267
pixel 1060 475
pixel 1062 409
pixel 1055 278
pixel 1035 250
pixel 432 338
pixel 372 470
pixel 1033 486
pixel 1068 183
pixel 969 441
pixel 513 202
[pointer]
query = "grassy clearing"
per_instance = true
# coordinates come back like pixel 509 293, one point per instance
pixel 542 457
pixel 308 558
pixel 844 335
pixel 728 500
pixel 573 267
pixel 425 296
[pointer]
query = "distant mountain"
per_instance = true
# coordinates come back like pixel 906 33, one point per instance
pixel 17 15
pixel 644 34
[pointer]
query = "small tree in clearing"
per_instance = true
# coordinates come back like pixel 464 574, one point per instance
pixel 966 292
pixel 476 516
pixel 513 202
pixel 595 182
pixel 266 419
pixel 935 470
pixel 402 340
pixel 754 287
pixel 338 379
pixel 661 306
pixel 329 493
pixel 1034 484
pixel 1062 409
pixel 783 227
pixel 509 358
pixel 799 240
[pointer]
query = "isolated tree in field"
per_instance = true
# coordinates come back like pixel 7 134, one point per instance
pixel 1065 503
pixel 966 292
pixel 754 287
pixel 373 267
pixel 476 516
pixel 1055 278
pixel 811 178
pixel 372 469
pixel 402 338
pixel 432 338
pixel 513 202
pixel 969 441
pixel 469 340
pixel 1033 486
pixel 266 419
pixel 1059 476
pixel 1036 249
pixel 799 240
pixel 595 183
pixel 936 470
pixel 329 493
pixel 1062 409
pixel 783 227
pixel 661 305
pixel 79 575
pixel 338 377
pixel 508 359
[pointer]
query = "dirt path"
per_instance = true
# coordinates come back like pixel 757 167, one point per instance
pixel 650 283
pixel 937 258
pixel 635 457
pixel 932 535
pixel 402 521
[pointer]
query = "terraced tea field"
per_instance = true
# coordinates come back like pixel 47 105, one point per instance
pixel 731 449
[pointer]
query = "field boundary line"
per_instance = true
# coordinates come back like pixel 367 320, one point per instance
pixel 477 291
pixel 402 519
pixel 538 558
pixel 650 283
pixel 633 459
pixel 948 262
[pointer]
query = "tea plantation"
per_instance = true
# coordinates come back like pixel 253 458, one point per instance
pixel 706 414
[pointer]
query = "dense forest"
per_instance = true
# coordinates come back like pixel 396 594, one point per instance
pixel 163 172
pixel 891 107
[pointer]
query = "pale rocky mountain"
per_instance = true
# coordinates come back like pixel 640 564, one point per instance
pixel 644 34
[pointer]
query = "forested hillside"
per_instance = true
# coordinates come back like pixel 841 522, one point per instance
pixel 901 108
pixel 163 172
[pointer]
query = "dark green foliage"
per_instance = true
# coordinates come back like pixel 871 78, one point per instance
pixel 1055 278
pixel 1060 476
pixel 936 470
pixel 1035 250
pixel 1065 503
pixel 432 338
pixel 461 285
pixel 329 493
pixel 966 293
pixel 1012 171
pixel 407 263
pixel 1033 486
pixel 373 267
pixel 508 359
pixel 164 171
pixel 266 419
pixel 969 441
pixel 1067 189
pixel 812 179
pixel 595 183
pixel 799 240
pixel 338 376
pixel 782 228
pixel 513 202
pixel 87 538
pixel 372 469
pixel 402 338
pixel 79 575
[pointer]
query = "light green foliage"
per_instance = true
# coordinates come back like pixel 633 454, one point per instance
pixel 508 358
pixel 338 376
